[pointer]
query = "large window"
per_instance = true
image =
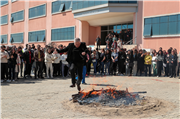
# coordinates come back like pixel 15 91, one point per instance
pixel 3 39
pixel 4 2
pixel 17 16
pixel 36 36
pixel 4 19
pixel 59 6
pixel 117 28
pixel 38 11
pixel 17 38
pixel 163 25
pixel 67 33
pixel 89 3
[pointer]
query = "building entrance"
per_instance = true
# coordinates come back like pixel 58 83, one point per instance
pixel 105 30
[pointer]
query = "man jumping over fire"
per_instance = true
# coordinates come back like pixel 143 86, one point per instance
pixel 76 56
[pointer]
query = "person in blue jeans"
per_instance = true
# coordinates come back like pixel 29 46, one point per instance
pixel 94 57
pixel 101 60
pixel 84 71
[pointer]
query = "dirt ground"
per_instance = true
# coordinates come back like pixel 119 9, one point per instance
pixel 46 98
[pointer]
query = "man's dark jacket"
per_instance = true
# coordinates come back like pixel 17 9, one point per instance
pixel 173 58
pixel 69 49
pixel 26 56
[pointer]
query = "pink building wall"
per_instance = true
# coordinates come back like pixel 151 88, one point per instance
pixel 93 33
pixel 4 10
pixel 85 32
pixel 17 6
pixel 139 28
pixel 152 8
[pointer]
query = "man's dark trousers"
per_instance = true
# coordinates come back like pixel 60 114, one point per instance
pixel 4 71
pixel 28 69
pixel 39 66
pixel 172 70
pixel 78 67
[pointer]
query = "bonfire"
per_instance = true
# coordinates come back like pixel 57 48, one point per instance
pixel 107 97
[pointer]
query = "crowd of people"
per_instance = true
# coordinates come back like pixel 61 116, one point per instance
pixel 113 40
pixel 49 62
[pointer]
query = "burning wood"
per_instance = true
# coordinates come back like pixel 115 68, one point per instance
pixel 108 97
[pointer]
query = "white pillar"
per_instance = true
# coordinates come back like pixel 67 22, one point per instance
pixel 135 29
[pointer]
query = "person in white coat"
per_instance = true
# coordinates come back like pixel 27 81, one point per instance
pixel 56 61
pixel 48 62
pixel 17 67
pixel 64 62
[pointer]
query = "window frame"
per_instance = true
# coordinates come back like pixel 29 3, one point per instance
pixel 40 15
pixel 7 20
pixel 5 4
pixel 13 1
pixel 36 36
pixel 63 39
pixel 13 39
pixel 168 33
pixel 6 39
pixel 68 10
pixel 18 20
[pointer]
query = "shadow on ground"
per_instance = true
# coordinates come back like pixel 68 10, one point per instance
pixel 32 80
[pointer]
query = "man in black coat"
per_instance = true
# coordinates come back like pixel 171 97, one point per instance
pixel 140 62
pixel 121 61
pixel 28 60
pixel 76 56
pixel 172 64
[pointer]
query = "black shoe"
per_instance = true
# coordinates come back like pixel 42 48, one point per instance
pixel 170 77
pixel 72 86
pixel 84 83
pixel 79 88
pixel 24 77
pixel 42 77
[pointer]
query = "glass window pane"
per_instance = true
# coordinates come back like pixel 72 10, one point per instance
pixel 118 26
pixel 124 26
pixel 85 4
pixel 147 30
pixel 130 26
pixel 173 28
pixel 178 17
pixel 163 28
pixel 155 20
pixel 155 29
pixel 97 2
pixel 91 3
pixel 164 19
pixel 178 27
pixel 173 18
pixel 148 20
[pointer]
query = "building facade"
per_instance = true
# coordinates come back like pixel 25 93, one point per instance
pixel 154 23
